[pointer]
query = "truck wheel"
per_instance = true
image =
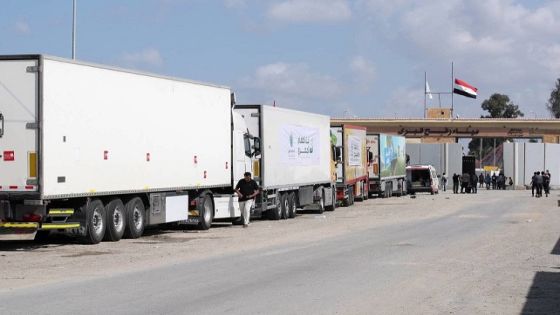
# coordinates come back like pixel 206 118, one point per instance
pixel 333 205
pixel 350 196
pixel 276 213
pixel 135 218
pixel 321 203
pixel 205 212
pixel 115 220
pixel 292 205
pixel 95 222
pixel 285 206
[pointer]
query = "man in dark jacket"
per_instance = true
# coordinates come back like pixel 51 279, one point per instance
pixel 456 183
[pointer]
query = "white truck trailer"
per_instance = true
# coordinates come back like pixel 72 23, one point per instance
pixel 293 160
pixel 387 164
pixel 103 152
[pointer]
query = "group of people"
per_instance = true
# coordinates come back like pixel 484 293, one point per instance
pixel 540 182
pixel 495 181
pixel 469 183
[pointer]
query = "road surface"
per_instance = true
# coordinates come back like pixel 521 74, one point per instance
pixel 491 253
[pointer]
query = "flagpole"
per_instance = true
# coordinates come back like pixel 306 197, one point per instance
pixel 452 84
pixel 425 92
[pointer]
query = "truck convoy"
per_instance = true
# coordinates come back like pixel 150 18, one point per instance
pixel 352 163
pixel 102 152
pixel 387 165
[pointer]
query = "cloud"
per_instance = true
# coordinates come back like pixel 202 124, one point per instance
pixel 294 80
pixel 500 45
pixel 235 4
pixel 404 103
pixel 363 72
pixel 22 27
pixel 147 58
pixel 310 11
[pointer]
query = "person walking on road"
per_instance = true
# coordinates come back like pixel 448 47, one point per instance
pixel 247 189
pixel 474 183
pixel 540 182
pixel 487 181
pixel 533 184
pixel 465 180
pixel 494 181
pixel 546 183
pixel 444 181
pixel 480 180
pixel 455 183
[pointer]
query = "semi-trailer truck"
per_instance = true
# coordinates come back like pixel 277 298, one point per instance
pixel 387 164
pixel 352 161
pixel 293 162
pixel 103 152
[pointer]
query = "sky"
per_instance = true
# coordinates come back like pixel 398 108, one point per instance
pixel 362 58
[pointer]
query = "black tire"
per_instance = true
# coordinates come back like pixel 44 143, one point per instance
pixel 321 203
pixel 292 205
pixel 135 218
pixel 276 213
pixel 116 220
pixel 96 222
pixel 351 197
pixel 333 205
pixel 205 208
pixel 284 206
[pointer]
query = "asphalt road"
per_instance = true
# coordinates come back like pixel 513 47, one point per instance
pixel 488 254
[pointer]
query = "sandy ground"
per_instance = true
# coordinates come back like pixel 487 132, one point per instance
pixel 488 273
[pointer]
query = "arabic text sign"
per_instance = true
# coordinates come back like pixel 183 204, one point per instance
pixel 299 145
pixel 354 151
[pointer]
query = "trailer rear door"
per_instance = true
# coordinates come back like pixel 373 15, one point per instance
pixel 18 124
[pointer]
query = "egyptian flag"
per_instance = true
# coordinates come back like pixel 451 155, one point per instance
pixel 465 89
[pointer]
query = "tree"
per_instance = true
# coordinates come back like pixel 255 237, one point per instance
pixel 553 105
pixel 498 106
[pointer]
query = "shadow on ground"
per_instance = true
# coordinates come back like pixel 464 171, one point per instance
pixel 544 294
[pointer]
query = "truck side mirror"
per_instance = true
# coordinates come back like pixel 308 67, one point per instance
pixel 256 146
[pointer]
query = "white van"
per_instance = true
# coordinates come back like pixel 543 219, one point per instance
pixel 422 178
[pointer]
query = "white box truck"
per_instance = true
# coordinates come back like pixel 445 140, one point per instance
pixel 293 163
pixel 387 164
pixel 103 152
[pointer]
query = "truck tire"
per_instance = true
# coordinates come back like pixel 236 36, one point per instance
pixel 116 220
pixel 333 205
pixel 365 194
pixel 350 196
pixel 135 218
pixel 321 203
pixel 293 205
pixel 285 206
pixel 276 213
pixel 205 211
pixel 95 222
pixel 361 197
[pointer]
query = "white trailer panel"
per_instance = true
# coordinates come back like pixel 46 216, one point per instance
pixel 114 131
pixel 296 147
pixel 18 137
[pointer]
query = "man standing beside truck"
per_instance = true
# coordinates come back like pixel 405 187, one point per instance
pixel 247 189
